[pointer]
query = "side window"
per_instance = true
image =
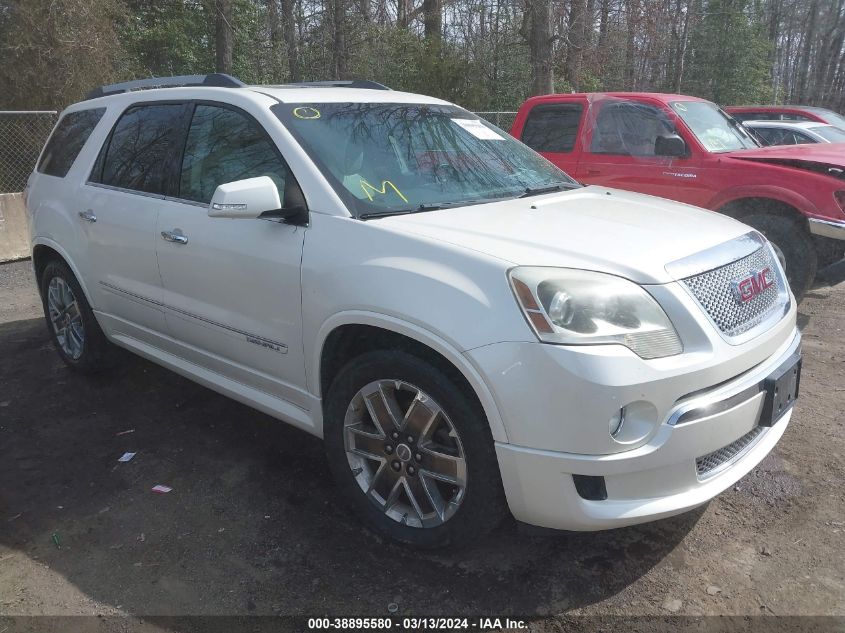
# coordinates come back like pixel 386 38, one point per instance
pixel 791 116
pixel 67 140
pixel 801 138
pixel 223 146
pixel 629 128
pixel 743 116
pixel 552 127
pixel 141 146
pixel 772 136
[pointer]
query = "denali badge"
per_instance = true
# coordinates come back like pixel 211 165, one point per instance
pixel 745 289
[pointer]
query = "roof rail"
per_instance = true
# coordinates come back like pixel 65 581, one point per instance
pixel 215 80
pixel 347 83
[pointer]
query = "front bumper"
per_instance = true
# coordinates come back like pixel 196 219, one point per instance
pixel 827 228
pixel 563 430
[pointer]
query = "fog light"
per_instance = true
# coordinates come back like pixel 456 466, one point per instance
pixel 617 422
pixel 633 423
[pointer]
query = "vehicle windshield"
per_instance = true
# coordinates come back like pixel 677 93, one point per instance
pixel 830 133
pixel 717 131
pixel 833 118
pixel 395 157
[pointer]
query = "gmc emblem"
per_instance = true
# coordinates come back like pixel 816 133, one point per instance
pixel 745 289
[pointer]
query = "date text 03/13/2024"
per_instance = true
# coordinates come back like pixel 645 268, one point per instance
pixel 417 624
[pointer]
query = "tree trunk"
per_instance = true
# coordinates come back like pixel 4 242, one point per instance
pixel 807 49
pixel 289 30
pixel 603 23
pixel 575 45
pixel 630 43
pixel 681 51
pixel 340 56
pixel 403 13
pixel 224 36
pixel 537 30
pixel 274 24
pixel 433 24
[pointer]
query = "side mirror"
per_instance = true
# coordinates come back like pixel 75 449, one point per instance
pixel 245 199
pixel 670 145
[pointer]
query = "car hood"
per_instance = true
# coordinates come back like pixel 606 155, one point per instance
pixel 826 158
pixel 592 228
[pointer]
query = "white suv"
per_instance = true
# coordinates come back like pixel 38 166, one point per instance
pixel 468 329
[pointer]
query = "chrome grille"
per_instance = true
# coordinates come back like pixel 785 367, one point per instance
pixel 710 464
pixel 713 291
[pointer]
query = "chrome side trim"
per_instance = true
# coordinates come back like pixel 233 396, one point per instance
pixel 145 194
pixel 270 344
pixel 119 290
pixel 827 228
pixel 731 394
pixel 715 257
pixel 192 203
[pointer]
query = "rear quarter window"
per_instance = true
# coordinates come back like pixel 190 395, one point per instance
pixel 143 143
pixel 552 128
pixel 67 141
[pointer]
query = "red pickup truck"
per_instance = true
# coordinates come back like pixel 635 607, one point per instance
pixel 687 149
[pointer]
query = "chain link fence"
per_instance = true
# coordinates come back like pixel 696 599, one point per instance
pixel 503 120
pixel 22 135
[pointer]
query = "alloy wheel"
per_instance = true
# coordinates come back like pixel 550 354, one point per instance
pixel 405 453
pixel 66 318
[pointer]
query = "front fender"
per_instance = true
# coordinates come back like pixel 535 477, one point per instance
pixel 420 335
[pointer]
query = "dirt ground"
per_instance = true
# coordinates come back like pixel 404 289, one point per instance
pixel 253 525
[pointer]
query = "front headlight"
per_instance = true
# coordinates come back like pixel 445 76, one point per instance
pixel 579 307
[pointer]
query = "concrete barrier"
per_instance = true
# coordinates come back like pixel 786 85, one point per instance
pixel 14 234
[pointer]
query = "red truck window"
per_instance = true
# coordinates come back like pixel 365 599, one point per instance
pixel 629 128
pixel 552 127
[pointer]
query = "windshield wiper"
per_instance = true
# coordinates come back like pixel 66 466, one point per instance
pixel 383 214
pixel 562 186
pixel 432 206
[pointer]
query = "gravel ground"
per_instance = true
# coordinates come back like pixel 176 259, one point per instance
pixel 253 525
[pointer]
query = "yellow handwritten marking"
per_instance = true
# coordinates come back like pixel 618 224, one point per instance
pixel 367 188
pixel 306 113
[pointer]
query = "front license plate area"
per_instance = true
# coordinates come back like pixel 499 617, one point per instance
pixel 781 389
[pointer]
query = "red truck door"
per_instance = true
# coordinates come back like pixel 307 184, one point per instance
pixel 554 129
pixel 619 150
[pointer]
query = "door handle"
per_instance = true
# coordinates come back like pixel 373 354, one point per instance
pixel 176 236
pixel 594 172
pixel 88 216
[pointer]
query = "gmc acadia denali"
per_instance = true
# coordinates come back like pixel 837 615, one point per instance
pixel 469 330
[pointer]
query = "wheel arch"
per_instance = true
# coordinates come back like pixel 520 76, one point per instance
pixel 349 334
pixel 43 251
pixel 745 200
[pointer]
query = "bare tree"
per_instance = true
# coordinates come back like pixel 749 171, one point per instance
pixel 432 11
pixel 576 42
pixel 537 31
pixel 224 35
pixel 289 29
pixel 340 54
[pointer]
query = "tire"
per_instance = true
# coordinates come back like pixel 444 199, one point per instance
pixel 795 245
pixel 466 510
pixel 77 336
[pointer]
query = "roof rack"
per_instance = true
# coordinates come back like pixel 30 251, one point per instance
pixel 347 83
pixel 214 80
